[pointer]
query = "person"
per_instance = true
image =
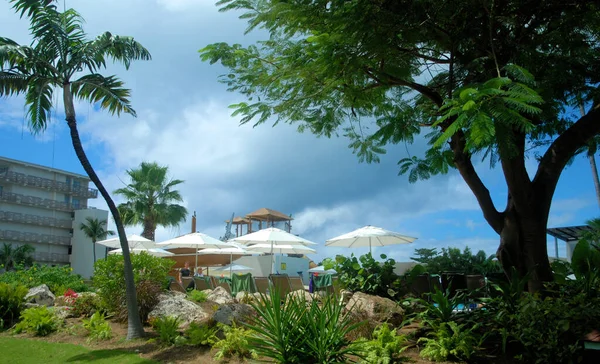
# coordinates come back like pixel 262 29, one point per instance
pixel 185 271
pixel 199 273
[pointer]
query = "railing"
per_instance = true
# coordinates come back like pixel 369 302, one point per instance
pixel 40 202
pixel 45 183
pixel 51 257
pixel 35 220
pixel 27 237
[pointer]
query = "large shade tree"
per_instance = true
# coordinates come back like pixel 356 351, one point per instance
pixel 480 79
pixel 150 196
pixel 95 229
pixel 61 59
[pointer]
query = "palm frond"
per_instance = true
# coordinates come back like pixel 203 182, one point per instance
pixel 12 83
pixel 120 48
pixel 108 91
pixel 31 8
pixel 38 99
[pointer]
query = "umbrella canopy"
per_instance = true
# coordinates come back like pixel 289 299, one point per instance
pixel 236 268
pixel 270 235
pixel 280 248
pixel 321 270
pixel 196 241
pixel 369 236
pixel 152 251
pixel 237 249
pixel 135 241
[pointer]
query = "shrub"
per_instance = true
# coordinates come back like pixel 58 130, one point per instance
pixel 198 296
pixel 86 305
pixel 453 260
pixel 385 348
pixel 39 321
pixel 235 343
pixel 367 275
pixel 450 341
pixel 110 280
pixel 58 279
pixel 97 327
pixel 11 302
pixel 441 308
pixel 167 328
pixel 201 334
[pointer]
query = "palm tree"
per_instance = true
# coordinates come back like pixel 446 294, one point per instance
pixel 11 256
pixel 96 230
pixel 150 198
pixel 591 150
pixel 61 58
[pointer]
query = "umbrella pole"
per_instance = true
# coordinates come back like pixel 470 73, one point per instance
pixel 230 265
pixel 196 268
pixel 272 257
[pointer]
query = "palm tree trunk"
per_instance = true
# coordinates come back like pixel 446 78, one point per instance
pixel 134 327
pixel 94 248
pixel 592 159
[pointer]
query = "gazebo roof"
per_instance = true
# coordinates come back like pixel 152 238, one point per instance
pixel 239 220
pixel 265 214
pixel 569 233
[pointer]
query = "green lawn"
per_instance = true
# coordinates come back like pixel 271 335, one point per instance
pixel 34 351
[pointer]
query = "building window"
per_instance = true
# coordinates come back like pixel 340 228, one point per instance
pixel 75 203
pixel 1 190
pixel 67 198
pixel 76 184
pixel 68 181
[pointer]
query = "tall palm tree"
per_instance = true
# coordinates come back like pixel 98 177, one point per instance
pixel 11 256
pixel 591 150
pixel 61 58
pixel 150 198
pixel 95 230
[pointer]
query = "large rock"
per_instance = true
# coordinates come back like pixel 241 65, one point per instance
pixel 220 296
pixel 178 305
pixel 301 295
pixel 40 295
pixel 345 296
pixel 234 312
pixel 247 297
pixel 377 308
pixel 63 312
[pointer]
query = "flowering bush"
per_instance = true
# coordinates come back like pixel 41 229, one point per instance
pixel 70 297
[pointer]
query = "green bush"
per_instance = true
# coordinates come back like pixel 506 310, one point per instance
pixel 365 274
pixel 38 321
pixel 450 341
pixel 97 327
pixel 198 296
pixel 87 305
pixel 385 348
pixel 150 274
pixel 201 334
pixel 58 279
pixel 453 260
pixel 235 343
pixel 167 328
pixel 11 302
pixel 301 332
pixel 440 308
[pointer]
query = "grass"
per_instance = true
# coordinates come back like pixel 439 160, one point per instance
pixel 36 351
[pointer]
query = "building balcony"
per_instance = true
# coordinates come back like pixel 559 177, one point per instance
pixel 26 237
pixel 46 203
pixel 47 184
pixel 51 258
pixel 35 220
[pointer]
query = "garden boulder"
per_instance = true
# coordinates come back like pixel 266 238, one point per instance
pixel 301 295
pixel 234 313
pixel 345 296
pixel 178 305
pixel 40 295
pixel 377 308
pixel 220 296
pixel 247 297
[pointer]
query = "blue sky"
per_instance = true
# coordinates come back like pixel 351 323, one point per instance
pixel 183 121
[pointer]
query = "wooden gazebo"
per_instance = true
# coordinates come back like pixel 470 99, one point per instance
pixel 264 217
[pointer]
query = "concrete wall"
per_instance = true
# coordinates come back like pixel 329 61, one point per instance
pixel 402 267
pixel 82 255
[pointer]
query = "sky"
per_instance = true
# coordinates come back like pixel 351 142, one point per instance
pixel 184 122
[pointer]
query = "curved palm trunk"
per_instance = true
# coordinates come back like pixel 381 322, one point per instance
pixel 592 160
pixel 135 328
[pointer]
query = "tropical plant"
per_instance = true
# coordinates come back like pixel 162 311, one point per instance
pixel 150 196
pixel 450 341
pixel 453 260
pixel 61 58
pixel 365 274
pixel 586 264
pixel 11 302
pixel 39 321
pixel 87 304
pixel 95 230
pixel 199 296
pixel 441 307
pixel 97 327
pixel 12 257
pixel 201 334
pixel 458 73
pixel 167 328
pixel 235 343
pixel 385 347
pixel 59 279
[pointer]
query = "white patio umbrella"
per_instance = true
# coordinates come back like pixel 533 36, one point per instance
pixel 273 238
pixel 321 270
pixel 237 249
pixel 196 241
pixel 135 241
pixel 235 268
pixel 369 236
pixel 152 251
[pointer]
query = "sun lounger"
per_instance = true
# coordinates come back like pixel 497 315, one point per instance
pixel 177 287
pixel 281 283
pixel 296 284
pixel 213 282
pixel 262 284
pixel 202 283
pixel 187 282
pixel 225 285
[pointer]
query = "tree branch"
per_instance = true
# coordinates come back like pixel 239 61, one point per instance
pixel 511 148
pixel 392 80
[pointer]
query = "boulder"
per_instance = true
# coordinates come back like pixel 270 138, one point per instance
pixel 63 312
pixel 302 295
pixel 220 296
pixel 345 296
pixel 40 295
pixel 247 297
pixel 234 312
pixel 178 305
pixel 377 308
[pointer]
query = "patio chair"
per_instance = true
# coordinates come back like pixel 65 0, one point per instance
pixel 202 283
pixel 187 282
pixel 213 282
pixel 262 284
pixel 177 287
pixel 296 284
pixel 281 283
pixel 225 285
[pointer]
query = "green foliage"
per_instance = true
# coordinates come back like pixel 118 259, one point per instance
pixel 453 260
pixel 167 328
pixel 150 273
pixel 95 229
pixel 586 264
pixel 12 257
pixel 440 308
pixel 38 321
pixel 86 305
pixel 450 341
pixel 198 296
pixel 201 334
pixel 11 302
pixel 97 327
pixel 385 347
pixel 235 343
pixel 367 275
pixel 297 331
pixel 58 278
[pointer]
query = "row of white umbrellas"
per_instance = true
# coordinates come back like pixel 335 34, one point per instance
pixel 270 240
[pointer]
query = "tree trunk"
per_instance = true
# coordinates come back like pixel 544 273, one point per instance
pixel 592 160
pixel 135 328
pixel 94 248
pixel 149 229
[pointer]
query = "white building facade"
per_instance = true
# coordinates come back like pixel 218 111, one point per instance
pixel 44 207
